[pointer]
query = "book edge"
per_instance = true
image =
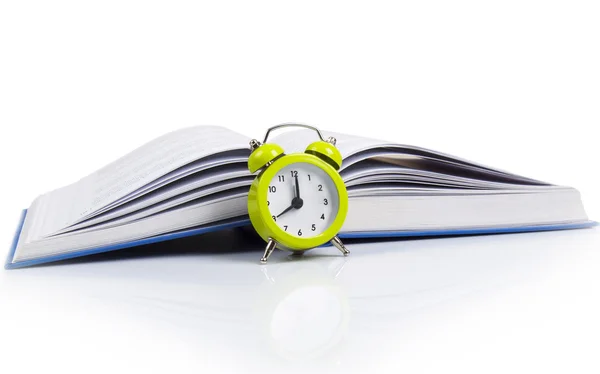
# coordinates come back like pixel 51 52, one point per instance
pixel 155 239
pixel 349 235
pixel 474 231
pixel 15 241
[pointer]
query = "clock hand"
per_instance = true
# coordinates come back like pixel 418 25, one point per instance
pixel 297 187
pixel 296 201
pixel 286 210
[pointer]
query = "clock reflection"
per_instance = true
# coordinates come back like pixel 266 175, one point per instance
pixel 302 311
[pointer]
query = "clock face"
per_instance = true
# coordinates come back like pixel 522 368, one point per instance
pixel 303 200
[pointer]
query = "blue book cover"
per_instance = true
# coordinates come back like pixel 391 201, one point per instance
pixel 245 222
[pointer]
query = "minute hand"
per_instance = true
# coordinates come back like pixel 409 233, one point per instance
pixel 297 187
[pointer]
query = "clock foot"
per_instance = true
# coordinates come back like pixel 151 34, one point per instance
pixel 270 247
pixel 339 245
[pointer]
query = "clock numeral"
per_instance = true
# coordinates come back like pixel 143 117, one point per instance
pixel 320 187
pixel 313 228
pixel 272 189
pixel 309 177
pixel 281 178
pixel 274 218
pixel 294 173
pixel 300 232
pixel 323 216
pixel 325 202
pixel 268 203
pixel 285 227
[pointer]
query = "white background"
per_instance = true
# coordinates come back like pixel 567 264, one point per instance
pixel 511 84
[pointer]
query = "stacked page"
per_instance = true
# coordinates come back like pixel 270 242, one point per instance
pixel 197 177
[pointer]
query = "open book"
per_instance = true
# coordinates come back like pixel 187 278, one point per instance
pixel 196 180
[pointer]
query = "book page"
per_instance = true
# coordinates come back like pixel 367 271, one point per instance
pixel 226 178
pixel 71 204
pixel 217 161
pixel 356 148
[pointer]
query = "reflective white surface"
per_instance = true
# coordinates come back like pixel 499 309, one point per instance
pixel 504 303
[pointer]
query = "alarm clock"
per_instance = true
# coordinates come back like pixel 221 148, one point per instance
pixel 298 201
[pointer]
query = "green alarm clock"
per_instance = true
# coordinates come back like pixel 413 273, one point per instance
pixel 297 201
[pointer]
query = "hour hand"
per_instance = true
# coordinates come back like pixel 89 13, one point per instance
pixel 286 210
